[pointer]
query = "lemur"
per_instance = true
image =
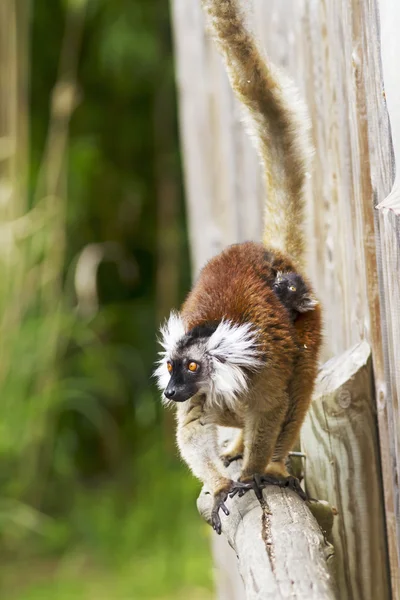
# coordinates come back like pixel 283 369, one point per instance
pixel 232 356
pixel 294 293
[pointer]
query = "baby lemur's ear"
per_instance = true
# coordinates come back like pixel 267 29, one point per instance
pixel 307 303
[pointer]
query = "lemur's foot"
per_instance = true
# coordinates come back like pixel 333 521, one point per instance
pixel 230 458
pixel 255 484
pixel 219 503
pixel 289 482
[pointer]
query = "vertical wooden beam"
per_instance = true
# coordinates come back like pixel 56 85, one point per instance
pixel 222 173
pixel 340 439
pixel 388 220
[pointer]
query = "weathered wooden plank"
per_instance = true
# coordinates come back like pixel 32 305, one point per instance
pixel 388 219
pixel 388 388
pixel 280 548
pixel 340 439
pixel 228 582
pixel 332 49
pixel 378 156
pixel 221 167
pixel 389 15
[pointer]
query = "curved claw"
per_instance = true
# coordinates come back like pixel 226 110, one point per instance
pixel 240 488
pixel 255 484
pixel 219 502
pixel 294 484
pixel 290 482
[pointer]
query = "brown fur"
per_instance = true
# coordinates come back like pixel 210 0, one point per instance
pixel 237 285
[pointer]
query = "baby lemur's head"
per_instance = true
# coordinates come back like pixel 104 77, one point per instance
pixel 293 292
pixel 212 359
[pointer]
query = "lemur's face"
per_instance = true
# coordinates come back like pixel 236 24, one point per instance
pixel 188 367
pixel 290 287
pixel 213 359
pixel 293 292
pixel 189 372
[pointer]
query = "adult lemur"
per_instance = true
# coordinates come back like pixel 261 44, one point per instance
pixel 233 356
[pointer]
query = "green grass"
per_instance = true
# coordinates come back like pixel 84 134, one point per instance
pixel 78 582
pixel 136 539
pixel 76 577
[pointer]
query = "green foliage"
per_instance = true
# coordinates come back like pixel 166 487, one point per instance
pixel 93 503
pixel 134 545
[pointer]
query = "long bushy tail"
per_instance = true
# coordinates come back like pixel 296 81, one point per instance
pixel 278 122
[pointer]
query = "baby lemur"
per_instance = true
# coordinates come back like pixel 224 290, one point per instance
pixel 233 355
pixel 294 293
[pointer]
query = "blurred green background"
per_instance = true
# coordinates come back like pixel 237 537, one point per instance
pixel 94 502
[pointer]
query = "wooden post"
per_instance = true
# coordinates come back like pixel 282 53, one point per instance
pixel 340 440
pixel 280 548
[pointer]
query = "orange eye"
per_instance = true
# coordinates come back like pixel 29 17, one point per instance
pixel 193 366
pixel 169 367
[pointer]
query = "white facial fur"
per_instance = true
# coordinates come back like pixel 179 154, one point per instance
pixel 171 332
pixel 224 356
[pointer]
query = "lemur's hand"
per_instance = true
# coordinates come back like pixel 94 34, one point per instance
pixel 219 502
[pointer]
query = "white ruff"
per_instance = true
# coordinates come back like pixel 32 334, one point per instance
pixel 172 331
pixel 231 348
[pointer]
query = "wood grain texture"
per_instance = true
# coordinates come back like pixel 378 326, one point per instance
pixel 281 551
pixel 333 51
pixel 228 581
pixel 223 182
pixel 340 439
pixel 388 219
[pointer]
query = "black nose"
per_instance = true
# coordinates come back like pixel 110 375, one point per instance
pixel 170 393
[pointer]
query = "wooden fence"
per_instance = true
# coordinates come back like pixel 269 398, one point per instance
pixel 343 55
